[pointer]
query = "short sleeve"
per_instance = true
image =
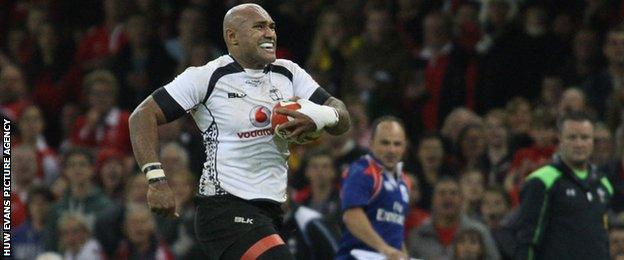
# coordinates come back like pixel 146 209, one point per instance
pixel 303 84
pixel 188 89
pixel 357 188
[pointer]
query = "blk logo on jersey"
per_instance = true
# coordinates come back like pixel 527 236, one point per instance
pixel 260 116
pixel 236 95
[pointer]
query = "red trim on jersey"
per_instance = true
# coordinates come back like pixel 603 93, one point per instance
pixel 262 246
pixel 374 171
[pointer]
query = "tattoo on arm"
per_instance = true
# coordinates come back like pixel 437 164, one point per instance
pixel 344 120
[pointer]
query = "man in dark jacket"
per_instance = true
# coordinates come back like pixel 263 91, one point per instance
pixel 564 204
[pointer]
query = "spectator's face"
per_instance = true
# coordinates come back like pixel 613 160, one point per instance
pixel 576 141
pixel 24 165
pixel 38 208
pixel 256 37
pixel 535 23
pixel 446 201
pixel 493 208
pixel 36 17
pixel 73 235
pixel 136 189
pixel 469 247
pixel 431 153
pixel 78 169
pixel 495 131
pixel 320 171
pixel 616 242
pixel 31 123
pixel 543 136
pixel 614 48
pixel 604 146
pixel 520 119
pixel 584 45
pixel 389 144
pixel 435 32
pixel 12 84
pixel 571 100
pixel 551 89
pixel 472 186
pixel 377 23
pixel 112 173
pixel 101 96
pixel 140 226
pixel 473 144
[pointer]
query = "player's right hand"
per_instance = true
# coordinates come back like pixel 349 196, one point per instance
pixel 392 253
pixel 161 199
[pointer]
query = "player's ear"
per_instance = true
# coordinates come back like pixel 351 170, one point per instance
pixel 230 36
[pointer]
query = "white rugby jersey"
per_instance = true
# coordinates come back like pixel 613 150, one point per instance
pixel 232 107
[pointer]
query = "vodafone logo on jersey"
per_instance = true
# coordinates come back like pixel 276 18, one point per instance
pixel 260 116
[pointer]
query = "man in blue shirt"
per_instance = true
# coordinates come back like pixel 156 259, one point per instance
pixel 375 195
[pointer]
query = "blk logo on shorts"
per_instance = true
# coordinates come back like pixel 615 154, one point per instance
pixel 243 220
pixel 260 116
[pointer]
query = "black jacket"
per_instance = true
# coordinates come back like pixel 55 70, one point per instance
pixel 562 216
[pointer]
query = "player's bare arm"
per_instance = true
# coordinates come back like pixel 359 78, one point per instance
pixel 143 124
pixel 302 123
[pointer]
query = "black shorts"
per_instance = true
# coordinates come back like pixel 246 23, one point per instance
pixel 227 226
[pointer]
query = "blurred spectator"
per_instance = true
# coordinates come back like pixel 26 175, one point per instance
pixel 616 241
pixel 466 25
pixel 28 238
pixel 322 194
pixel 14 98
pixel 470 147
pixel 331 49
pixel 110 174
pixel 416 215
pixel 457 120
pixel 179 233
pixel 518 122
pixel 377 78
pixel 430 166
pixel 585 61
pixel 24 174
pixel 472 184
pixel 343 149
pixel 572 100
pixel 192 29
pixel 497 157
pixel 608 84
pixel 100 43
pixel 615 172
pixel 142 65
pixel 31 126
pixel 497 215
pixel 109 223
pixel 141 242
pixel 174 158
pixel 469 245
pixel 550 93
pixel 75 239
pixel 604 146
pixel 52 83
pixel 103 125
pixel 450 72
pixel 307 234
pixel 82 195
pixel 434 239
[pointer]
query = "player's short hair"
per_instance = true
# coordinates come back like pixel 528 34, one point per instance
pixel 78 151
pixel 100 76
pixel 576 116
pixel 386 118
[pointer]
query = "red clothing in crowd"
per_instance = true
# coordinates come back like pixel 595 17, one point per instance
pixel 535 155
pixel 101 43
pixel 112 133
pixel 14 110
pixel 47 160
pixel 414 219
pixel 446 235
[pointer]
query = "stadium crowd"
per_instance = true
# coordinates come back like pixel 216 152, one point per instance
pixel 480 85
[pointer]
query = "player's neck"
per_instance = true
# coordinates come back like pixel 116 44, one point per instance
pixel 246 63
pixel 576 166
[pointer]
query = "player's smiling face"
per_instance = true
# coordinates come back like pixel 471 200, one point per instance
pixel 258 39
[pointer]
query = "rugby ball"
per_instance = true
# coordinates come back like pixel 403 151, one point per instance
pixel 279 119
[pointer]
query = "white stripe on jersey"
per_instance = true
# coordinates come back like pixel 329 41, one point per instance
pixel 243 157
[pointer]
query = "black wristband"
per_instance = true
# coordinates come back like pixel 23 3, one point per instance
pixel 152 167
pixel 155 180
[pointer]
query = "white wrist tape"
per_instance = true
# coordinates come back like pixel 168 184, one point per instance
pixel 153 170
pixel 323 116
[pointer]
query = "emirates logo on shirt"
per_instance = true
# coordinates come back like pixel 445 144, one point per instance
pixel 260 116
